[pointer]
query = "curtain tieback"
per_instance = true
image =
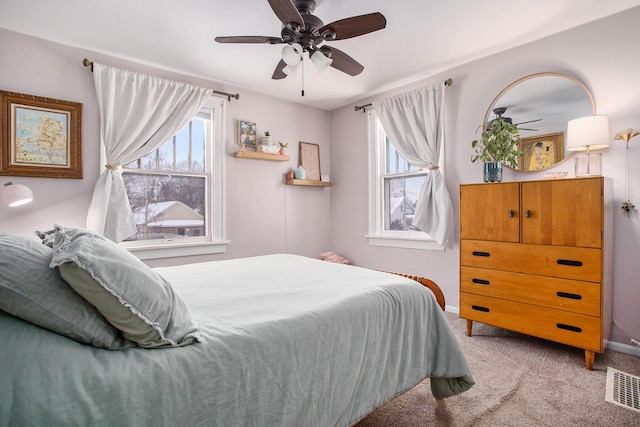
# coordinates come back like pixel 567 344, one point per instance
pixel 112 167
pixel 434 167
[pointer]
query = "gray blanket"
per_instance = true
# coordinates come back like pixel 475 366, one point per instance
pixel 288 341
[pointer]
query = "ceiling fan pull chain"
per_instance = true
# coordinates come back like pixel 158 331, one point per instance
pixel 302 78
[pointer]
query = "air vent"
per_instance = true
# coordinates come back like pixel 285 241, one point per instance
pixel 623 389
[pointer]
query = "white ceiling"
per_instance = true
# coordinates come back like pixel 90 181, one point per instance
pixel 422 37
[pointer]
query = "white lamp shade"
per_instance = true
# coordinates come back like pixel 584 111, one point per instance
pixel 291 54
pixel 320 61
pixel 588 133
pixel 291 70
pixel 16 194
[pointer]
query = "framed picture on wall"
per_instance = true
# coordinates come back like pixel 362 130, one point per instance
pixel 246 133
pixel 310 160
pixel 541 152
pixel 40 136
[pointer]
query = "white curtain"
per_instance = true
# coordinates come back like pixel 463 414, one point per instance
pixel 414 123
pixel 138 113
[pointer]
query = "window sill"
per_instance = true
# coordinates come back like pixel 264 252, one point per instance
pixel 177 250
pixel 404 242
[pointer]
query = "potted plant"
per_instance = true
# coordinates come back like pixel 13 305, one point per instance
pixel 497 145
pixel 283 145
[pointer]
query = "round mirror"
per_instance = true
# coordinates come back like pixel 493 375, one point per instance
pixel 541 105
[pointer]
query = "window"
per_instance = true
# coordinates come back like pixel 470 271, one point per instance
pixel 394 186
pixel 176 192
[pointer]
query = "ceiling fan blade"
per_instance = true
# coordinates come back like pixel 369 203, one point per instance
pixel 343 62
pixel 354 26
pixel 278 73
pixel 286 12
pixel 530 121
pixel 249 39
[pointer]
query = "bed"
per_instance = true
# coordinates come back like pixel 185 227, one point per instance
pixel 279 340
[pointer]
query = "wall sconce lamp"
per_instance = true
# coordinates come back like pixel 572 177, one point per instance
pixel 626 135
pixel 586 134
pixel 16 194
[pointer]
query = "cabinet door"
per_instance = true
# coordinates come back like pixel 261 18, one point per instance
pixel 564 212
pixel 490 211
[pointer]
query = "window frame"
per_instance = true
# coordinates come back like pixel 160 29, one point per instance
pixel 215 241
pixel 377 235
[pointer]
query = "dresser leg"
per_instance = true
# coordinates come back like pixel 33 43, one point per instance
pixel 589 357
pixel 469 327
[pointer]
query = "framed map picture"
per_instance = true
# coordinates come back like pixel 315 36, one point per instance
pixel 40 136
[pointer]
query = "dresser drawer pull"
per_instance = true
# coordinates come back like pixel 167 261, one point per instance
pixel 568 327
pixel 568 295
pixel 570 262
pixel 480 308
pixel 480 253
pixel 481 281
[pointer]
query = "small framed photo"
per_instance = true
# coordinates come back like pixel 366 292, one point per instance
pixel 541 152
pixel 310 160
pixel 40 136
pixel 246 133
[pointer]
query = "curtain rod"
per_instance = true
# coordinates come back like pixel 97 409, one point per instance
pixel 447 82
pixel 88 63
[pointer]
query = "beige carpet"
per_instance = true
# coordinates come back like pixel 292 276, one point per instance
pixel 520 381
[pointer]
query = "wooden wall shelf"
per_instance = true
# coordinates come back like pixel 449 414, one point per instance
pixel 261 156
pixel 308 183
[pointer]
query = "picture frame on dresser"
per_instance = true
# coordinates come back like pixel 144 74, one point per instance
pixel 41 137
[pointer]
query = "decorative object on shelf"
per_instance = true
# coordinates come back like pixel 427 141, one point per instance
pixel 16 194
pixel 283 146
pixel 40 136
pixel 290 175
pixel 246 133
pixel 267 139
pixel 300 173
pixel 270 149
pixel 310 159
pixel 586 134
pixel 324 178
pixel 626 135
pixel 498 145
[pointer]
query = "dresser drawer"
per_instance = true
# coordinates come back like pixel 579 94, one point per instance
pixel 544 260
pixel 574 329
pixel 563 294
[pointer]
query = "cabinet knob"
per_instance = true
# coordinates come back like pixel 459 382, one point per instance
pixel 511 213
pixel 527 213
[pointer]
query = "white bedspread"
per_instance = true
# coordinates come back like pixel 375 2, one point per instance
pixel 288 341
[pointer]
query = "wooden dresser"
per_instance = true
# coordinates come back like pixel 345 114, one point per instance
pixel 536 258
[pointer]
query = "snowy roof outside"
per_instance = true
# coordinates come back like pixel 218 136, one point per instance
pixel 163 212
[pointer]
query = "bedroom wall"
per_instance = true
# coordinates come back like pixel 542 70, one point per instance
pixel 263 215
pixel 602 54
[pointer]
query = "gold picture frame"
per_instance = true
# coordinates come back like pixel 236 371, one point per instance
pixel 41 137
pixel 310 160
pixel 540 152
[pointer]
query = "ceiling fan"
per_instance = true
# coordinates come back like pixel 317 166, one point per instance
pixel 499 111
pixel 304 32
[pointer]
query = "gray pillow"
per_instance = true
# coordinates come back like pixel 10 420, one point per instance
pixel 130 295
pixel 32 291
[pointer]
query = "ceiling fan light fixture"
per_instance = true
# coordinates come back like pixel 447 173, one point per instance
pixel 291 70
pixel 292 54
pixel 320 60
